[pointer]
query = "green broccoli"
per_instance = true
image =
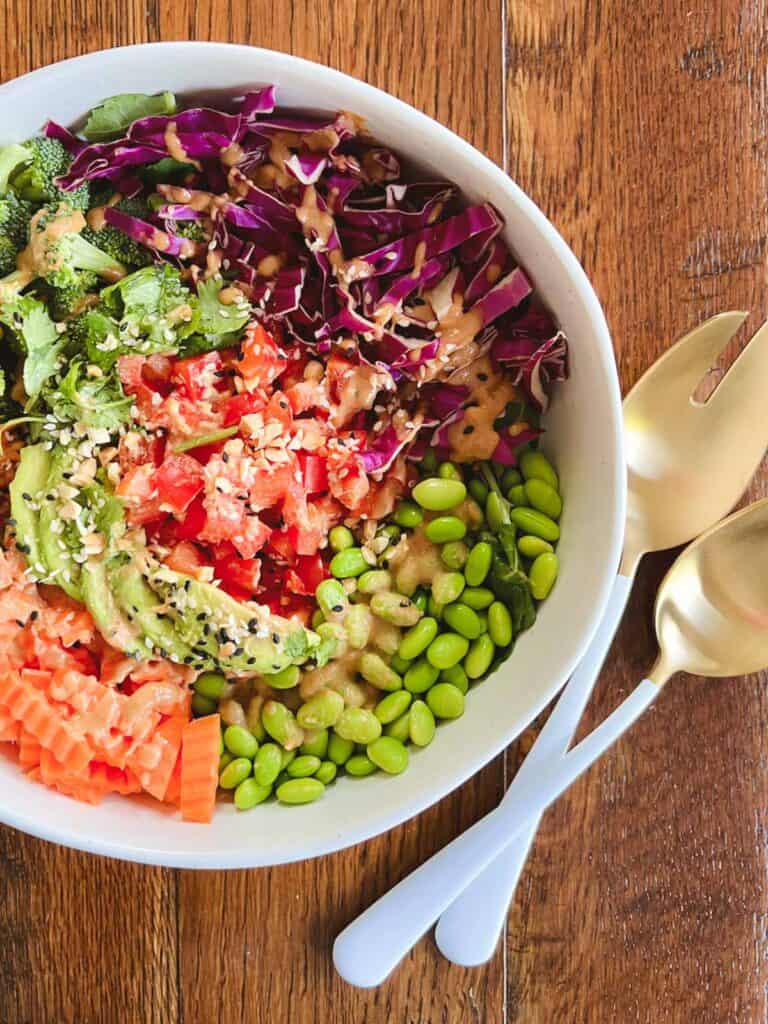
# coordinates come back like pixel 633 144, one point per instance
pixel 15 215
pixel 10 158
pixel 7 256
pixel 71 299
pixel 116 243
pixel 36 180
pixel 191 229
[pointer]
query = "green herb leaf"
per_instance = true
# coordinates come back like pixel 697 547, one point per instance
pixel 37 337
pixel 110 119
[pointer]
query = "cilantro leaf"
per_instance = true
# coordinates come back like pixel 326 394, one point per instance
pixel 38 338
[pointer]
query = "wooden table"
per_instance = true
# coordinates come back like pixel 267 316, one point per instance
pixel 641 129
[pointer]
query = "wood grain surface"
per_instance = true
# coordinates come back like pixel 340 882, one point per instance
pixel 641 129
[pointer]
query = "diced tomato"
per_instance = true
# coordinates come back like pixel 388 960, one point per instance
pixel 205 452
pixel 178 480
pixel 282 544
pixel 197 375
pixel 137 449
pixel 312 520
pixel 156 372
pixel 243 573
pixel 279 409
pixel 314 473
pixel 260 359
pixel 241 405
pixel 185 557
pixel 306 395
pixel 142 500
pixel 310 571
pixel 193 523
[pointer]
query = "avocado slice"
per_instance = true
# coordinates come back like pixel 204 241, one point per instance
pixel 54 551
pixel 111 622
pixel 25 490
pixel 234 635
pixel 138 602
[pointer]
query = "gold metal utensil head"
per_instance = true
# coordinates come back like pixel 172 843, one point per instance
pixel 688 462
pixel 711 611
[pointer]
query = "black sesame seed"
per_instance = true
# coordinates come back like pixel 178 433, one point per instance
pixel 224 457
pixel 20 623
pixel 26 496
pixel 337 608
pixel 33 615
pixel 468 430
pixel 201 617
pixel 187 584
pixel 275 638
pixel 405 604
pixel 253 625
pixel 482 376
pixel 238 652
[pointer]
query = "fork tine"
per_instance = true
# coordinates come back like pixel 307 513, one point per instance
pixel 743 386
pixel 686 362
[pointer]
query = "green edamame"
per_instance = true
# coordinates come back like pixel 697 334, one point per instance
pixel 225 759
pixel 285 679
pixel 235 772
pixel 477 598
pixel 326 773
pixel 202 706
pixel 303 766
pixel 435 610
pixel 332 598
pixel 447 471
pixel 454 554
pixel 418 638
pixel 429 461
pixel 544 498
pixel 534 465
pixel 478 564
pixel 461 618
pixel 392 706
pixel 408 515
pixel 500 624
pixel 388 754
pixel 480 656
pixel 249 793
pixel 479 491
pixel 357 626
pixel 421 727
pixel 400 665
pixel 447 650
pixel 447 587
pixel 445 701
pixel 373 581
pixel 358 725
pixel 348 563
pixel 510 478
pixel 317 618
pixel 420 600
pixel 300 791
pixel 442 529
pixel 279 722
pixel 321 711
pixel 456 676
pixel 532 547
pixel 267 764
pixel 378 673
pixel 286 756
pixel 420 676
pixel 340 538
pixel 496 512
pixel 535 522
pixel 339 750
pixel 395 608
pixel 315 742
pixel 542 575
pixel 358 766
pixel 210 685
pixel 240 742
pixel 399 729
pixel 438 495
pixel 517 496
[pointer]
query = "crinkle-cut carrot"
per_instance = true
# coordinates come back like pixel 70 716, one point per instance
pixel 115 667
pixel 29 750
pixel 173 792
pixel 114 780
pixel 37 677
pixel 200 768
pixel 26 704
pixel 157 670
pixel 155 761
pixel 71 626
pixel 10 729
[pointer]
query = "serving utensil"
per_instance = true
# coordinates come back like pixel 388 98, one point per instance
pixel 688 465
pixel 662 465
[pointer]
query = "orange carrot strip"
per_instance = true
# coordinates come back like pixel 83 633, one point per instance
pixel 200 768
pixel 154 761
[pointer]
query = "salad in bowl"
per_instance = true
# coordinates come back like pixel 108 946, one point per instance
pixel 273 501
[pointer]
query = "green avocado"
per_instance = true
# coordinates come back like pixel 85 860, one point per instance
pixel 139 603
pixel 110 620
pixel 55 553
pixel 26 490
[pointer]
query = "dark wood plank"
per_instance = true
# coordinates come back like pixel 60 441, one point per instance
pixel 641 130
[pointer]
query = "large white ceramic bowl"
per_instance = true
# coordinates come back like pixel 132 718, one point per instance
pixel 584 437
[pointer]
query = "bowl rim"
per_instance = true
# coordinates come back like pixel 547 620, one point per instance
pixel 350 835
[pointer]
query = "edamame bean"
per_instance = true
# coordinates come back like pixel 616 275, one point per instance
pixel 479 491
pixel 392 706
pixel 326 773
pixel 281 725
pixel 408 515
pixel 240 742
pixel 444 528
pixel 210 685
pixel 304 766
pixel 317 618
pixel 224 760
pixel 500 624
pixel 339 750
pixel 480 656
pixel 420 600
pixel 447 471
pixel 347 563
pixel 315 742
pixel 421 726
pixel 532 547
pixel 496 512
pixel 447 587
pixel 445 701
pixel 399 729
pixel 357 625
pixel 461 618
pixel 454 554
pixel 542 575
pixel 477 598
pixel 286 756
pixel 478 564
pixel 510 478
pixel 300 791
pixel 456 676
pixel 391 532
pixel 418 638
pixel 340 538
pixel 435 610
pixel 420 676
pixel 267 764
pixel 534 465
pixel 438 495
pixel 429 461
pixel 373 581
pixel 535 522
pixel 544 498
pixel 395 608
pixel 321 711
pixel 249 793
pixel 332 598
pixel 281 778
pixel 359 766
pixel 517 496
pixel 400 665
pixel 378 673
pixel 235 772
pixel 358 725
pixel 285 679
pixel 483 617
pixel 388 754
pixel 447 649
pixel 202 706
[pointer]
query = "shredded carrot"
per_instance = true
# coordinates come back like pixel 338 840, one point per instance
pixel 200 768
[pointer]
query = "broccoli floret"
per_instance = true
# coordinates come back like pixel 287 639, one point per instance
pixel 61 256
pixel 11 157
pixel 71 299
pixel 15 215
pixel 116 243
pixel 191 229
pixel 36 180
pixel 7 256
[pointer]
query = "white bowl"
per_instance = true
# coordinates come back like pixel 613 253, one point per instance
pixel 584 436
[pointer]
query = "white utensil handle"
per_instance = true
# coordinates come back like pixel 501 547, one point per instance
pixel 371 947
pixel 469 930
